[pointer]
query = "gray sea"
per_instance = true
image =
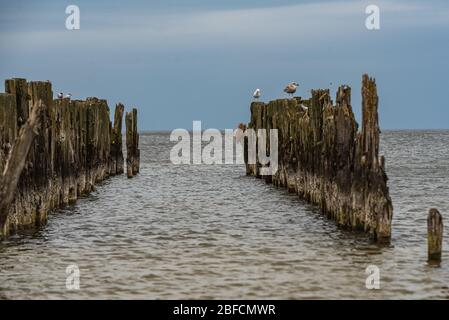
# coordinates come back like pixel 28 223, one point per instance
pixel 208 231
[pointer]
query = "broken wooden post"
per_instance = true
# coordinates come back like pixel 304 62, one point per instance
pixel 9 178
pixel 370 173
pixel 132 144
pixel 434 235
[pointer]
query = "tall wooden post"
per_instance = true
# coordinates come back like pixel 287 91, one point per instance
pixel 116 141
pixel 132 144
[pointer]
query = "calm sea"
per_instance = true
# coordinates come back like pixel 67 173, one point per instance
pixel 208 231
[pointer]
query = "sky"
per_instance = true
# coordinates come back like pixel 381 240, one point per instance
pixel 183 60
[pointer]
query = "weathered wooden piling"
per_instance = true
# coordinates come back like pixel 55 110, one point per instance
pixel 326 160
pixel 9 177
pixel 132 144
pixel 76 147
pixel 117 161
pixel 434 235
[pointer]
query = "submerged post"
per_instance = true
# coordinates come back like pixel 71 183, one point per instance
pixel 132 144
pixel 434 235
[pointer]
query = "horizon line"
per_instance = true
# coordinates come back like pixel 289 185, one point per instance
pixel 382 130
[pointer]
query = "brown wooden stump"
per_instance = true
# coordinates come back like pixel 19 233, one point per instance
pixel 434 235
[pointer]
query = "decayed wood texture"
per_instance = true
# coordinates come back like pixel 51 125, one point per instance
pixel 10 175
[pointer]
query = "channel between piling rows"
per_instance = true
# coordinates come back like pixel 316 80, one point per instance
pixel 326 160
pixel 76 147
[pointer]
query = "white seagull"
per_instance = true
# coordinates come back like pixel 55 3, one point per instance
pixel 60 95
pixel 69 95
pixel 291 88
pixel 256 94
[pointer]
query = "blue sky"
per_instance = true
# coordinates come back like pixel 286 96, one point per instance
pixel 182 60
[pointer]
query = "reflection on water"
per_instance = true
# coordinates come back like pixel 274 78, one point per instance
pixel 203 231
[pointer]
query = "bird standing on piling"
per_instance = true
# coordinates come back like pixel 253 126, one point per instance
pixel 291 88
pixel 256 94
pixel 60 95
pixel 69 95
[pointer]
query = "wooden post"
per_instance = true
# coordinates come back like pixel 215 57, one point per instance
pixel 16 162
pixel 19 88
pixel 132 144
pixel 116 141
pixel 434 235
pixel 371 173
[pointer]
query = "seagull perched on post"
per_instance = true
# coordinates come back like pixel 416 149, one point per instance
pixel 60 95
pixel 69 95
pixel 291 88
pixel 256 94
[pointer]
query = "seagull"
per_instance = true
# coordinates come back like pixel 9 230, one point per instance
pixel 291 88
pixel 69 95
pixel 60 95
pixel 256 94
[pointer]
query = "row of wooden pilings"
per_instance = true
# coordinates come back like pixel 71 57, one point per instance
pixel 60 153
pixel 329 162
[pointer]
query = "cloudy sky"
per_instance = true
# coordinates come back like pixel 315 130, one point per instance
pixel 181 60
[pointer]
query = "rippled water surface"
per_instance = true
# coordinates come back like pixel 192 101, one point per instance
pixel 211 232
